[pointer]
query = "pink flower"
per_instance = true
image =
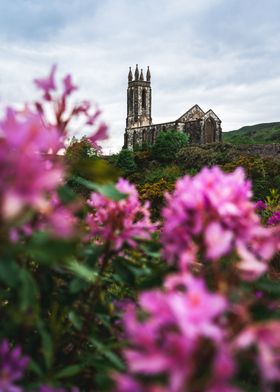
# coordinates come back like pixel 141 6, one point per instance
pixel 120 222
pixel 260 205
pixel 274 219
pixel 47 84
pixel 58 220
pixel 218 240
pixel 212 215
pixel 176 324
pixel 266 338
pixel 69 87
pixel 12 367
pixel 27 173
pixel 100 134
pixel 27 133
pixel 56 111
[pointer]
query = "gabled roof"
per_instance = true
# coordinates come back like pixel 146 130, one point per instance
pixel 194 113
pixel 210 113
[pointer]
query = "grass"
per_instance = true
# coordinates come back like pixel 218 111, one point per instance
pixel 255 134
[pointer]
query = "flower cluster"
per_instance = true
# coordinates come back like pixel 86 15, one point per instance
pixel 274 219
pixel 27 175
pixel 63 116
pixel 12 367
pixel 178 324
pixel 260 205
pixel 119 222
pixel 185 337
pixel 212 215
pixel 265 337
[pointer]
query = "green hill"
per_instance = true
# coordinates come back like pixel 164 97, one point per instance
pixel 255 134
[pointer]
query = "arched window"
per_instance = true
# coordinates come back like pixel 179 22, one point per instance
pixel 131 100
pixel 134 139
pixel 209 131
pixel 144 136
pixel 144 99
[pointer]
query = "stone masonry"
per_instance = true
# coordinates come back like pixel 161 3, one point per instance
pixel 201 127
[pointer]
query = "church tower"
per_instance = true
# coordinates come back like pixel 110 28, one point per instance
pixel 139 99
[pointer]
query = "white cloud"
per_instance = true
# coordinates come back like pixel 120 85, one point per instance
pixel 199 52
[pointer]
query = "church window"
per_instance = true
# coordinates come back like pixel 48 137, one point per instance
pixel 144 99
pixel 134 142
pixel 131 100
pixel 209 131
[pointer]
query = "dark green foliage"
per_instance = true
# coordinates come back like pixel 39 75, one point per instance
pixel 254 134
pixel 125 161
pixel 167 145
pixel 83 161
pixel 198 156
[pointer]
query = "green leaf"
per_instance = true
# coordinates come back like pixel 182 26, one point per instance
pixel 108 190
pixel 109 354
pixel 123 273
pixel 82 271
pixel 35 368
pixel 29 292
pixel 47 345
pixel 269 286
pixel 75 320
pixel 69 371
pixel 66 194
pixel 48 250
pixel 9 272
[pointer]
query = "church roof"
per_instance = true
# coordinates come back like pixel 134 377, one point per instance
pixel 194 113
pixel 210 113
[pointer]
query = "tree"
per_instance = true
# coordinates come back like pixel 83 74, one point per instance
pixel 126 162
pixel 167 144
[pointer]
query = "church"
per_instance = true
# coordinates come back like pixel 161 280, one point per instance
pixel 201 127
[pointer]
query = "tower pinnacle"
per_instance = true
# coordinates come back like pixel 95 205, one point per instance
pixel 148 75
pixel 136 74
pixel 130 77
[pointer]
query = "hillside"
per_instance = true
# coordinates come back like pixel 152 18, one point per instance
pixel 259 133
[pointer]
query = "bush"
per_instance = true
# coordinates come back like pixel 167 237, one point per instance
pixel 168 144
pixel 169 173
pixel 83 161
pixel 154 193
pixel 126 162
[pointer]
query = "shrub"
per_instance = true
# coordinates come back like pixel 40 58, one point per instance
pixel 168 144
pixel 126 162
pixel 170 173
pixel 154 193
pixel 83 161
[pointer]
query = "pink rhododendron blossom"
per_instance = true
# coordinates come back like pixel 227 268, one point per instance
pixel 12 367
pixel 26 175
pixel 69 87
pixel 274 219
pixel 58 219
pixel 27 133
pixel 47 84
pixel 57 111
pixel 178 322
pixel 120 222
pixel 266 338
pixel 260 205
pixel 211 214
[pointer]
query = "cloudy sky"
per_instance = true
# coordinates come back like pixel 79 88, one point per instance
pixel 220 54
